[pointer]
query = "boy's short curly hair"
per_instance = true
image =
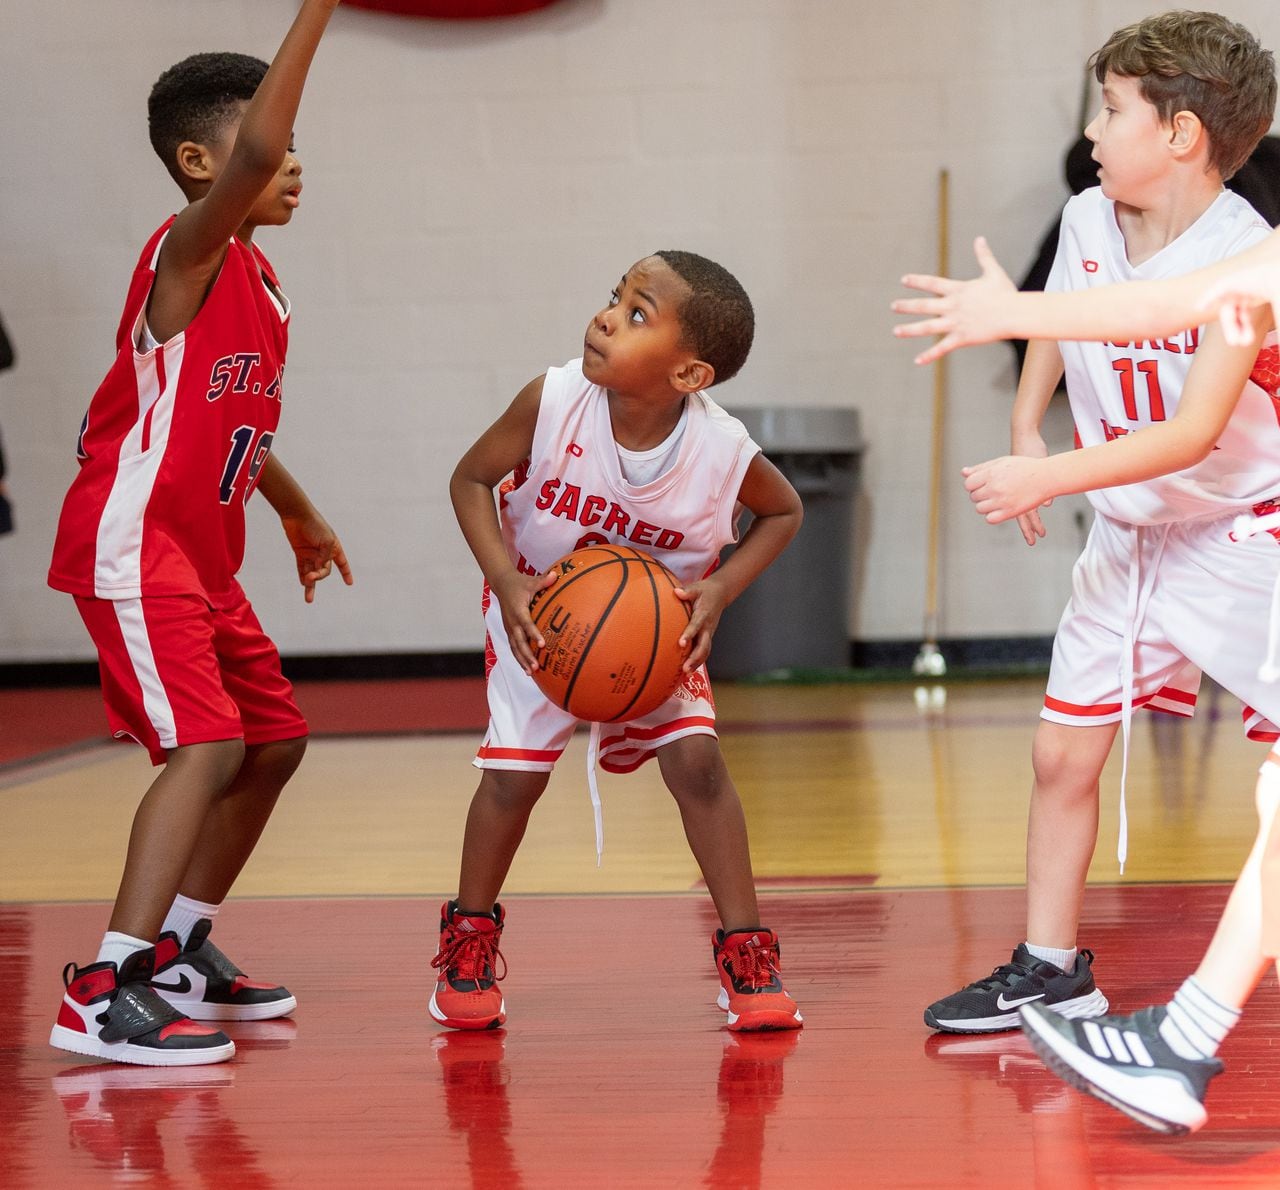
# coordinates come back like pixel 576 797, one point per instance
pixel 194 100
pixel 719 323
pixel 1199 62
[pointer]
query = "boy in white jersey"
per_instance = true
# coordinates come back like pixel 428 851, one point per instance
pixel 1154 1065
pixel 1185 98
pixel 1159 1081
pixel 620 446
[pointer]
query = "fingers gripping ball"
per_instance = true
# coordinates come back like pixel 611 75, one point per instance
pixel 612 626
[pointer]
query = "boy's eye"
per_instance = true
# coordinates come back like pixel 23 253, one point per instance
pixel 613 297
pixel 637 315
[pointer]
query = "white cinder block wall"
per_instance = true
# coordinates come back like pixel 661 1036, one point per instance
pixel 473 192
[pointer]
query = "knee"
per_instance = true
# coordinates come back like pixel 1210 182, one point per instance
pixel 694 774
pixel 1061 770
pixel 274 763
pixel 215 763
pixel 512 791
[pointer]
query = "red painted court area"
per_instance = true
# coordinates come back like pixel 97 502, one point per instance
pixel 615 1068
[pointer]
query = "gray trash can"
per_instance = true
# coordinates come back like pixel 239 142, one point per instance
pixel 796 614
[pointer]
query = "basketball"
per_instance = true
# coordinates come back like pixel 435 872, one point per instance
pixel 612 626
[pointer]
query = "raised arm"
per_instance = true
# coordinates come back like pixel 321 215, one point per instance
pixel 990 307
pixel 197 242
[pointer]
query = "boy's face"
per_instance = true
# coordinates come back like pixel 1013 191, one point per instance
pixel 281 196
pixel 1131 143
pixel 633 345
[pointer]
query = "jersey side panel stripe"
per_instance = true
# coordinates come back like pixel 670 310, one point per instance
pixel 155 701
pixel 118 561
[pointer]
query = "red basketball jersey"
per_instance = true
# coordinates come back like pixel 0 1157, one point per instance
pixel 174 441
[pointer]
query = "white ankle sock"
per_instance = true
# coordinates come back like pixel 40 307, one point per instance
pixel 184 914
pixel 1197 1023
pixel 1064 960
pixel 117 947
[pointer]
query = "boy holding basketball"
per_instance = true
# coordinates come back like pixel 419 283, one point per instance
pixel 177 437
pixel 649 457
pixel 1161 592
pixel 1159 1066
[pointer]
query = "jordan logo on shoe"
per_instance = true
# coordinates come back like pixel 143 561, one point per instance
pixel 182 987
pixel 1005 1005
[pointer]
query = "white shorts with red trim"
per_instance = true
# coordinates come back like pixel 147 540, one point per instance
pixel 1207 609
pixel 528 732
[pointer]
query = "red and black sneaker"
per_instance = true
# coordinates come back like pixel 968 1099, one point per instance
pixel 466 995
pixel 201 981
pixel 751 991
pixel 110 1013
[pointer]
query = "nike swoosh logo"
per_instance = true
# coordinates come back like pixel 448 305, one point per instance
pixel 1004 1005
pixel 182 987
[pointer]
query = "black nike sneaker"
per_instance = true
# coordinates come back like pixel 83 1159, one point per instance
pixel 991 1005
pixel 111 1012
pixel 201 981
pixel 1124 1061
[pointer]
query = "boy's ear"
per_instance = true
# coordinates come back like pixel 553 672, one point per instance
pixel 194 161
pixel 1186 133
pixel 694 376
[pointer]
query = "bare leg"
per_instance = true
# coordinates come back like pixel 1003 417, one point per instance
pixel 1062 827
pixel 165 831
pixel 496 823
pixel 236 819
pixel 714 824
pixel 1236 959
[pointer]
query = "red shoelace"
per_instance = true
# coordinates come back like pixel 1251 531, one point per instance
pixel 468 956
pixel 755 965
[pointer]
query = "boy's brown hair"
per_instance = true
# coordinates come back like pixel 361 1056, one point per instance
pixel 1203 63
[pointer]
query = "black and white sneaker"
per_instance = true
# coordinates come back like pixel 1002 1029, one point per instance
pixel 113 1013
pixel 1124 1061
pixel 991 1005
pixel 201 981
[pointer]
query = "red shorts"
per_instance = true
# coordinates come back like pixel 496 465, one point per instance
pixel 176 671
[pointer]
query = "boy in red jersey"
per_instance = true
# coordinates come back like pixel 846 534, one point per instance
pixel 151 536
pixel 622 446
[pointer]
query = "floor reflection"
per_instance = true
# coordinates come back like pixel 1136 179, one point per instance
pixel 475 1075
pixel 748 1090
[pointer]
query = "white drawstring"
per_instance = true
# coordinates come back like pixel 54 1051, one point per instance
pixel 593 755
pixel 1139 595
pixel 1242 529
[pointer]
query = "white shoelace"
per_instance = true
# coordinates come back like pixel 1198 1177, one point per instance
pixel 1242 529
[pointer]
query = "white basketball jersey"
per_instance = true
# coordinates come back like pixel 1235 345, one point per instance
pixel 571 493
pixel 1116 388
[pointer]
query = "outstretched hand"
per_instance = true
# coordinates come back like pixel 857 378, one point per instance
pixel 316 550
pixel 964 313
pixel 708 600
pixel 1235 297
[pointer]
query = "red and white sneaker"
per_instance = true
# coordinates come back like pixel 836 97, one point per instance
pixel 751 991
pixel 466 995
pixel 201 981
pixel 110 1013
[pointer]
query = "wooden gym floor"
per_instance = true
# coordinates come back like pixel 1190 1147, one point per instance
pixel 887 830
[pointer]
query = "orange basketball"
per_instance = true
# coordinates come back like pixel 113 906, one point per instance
pixel 612 626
